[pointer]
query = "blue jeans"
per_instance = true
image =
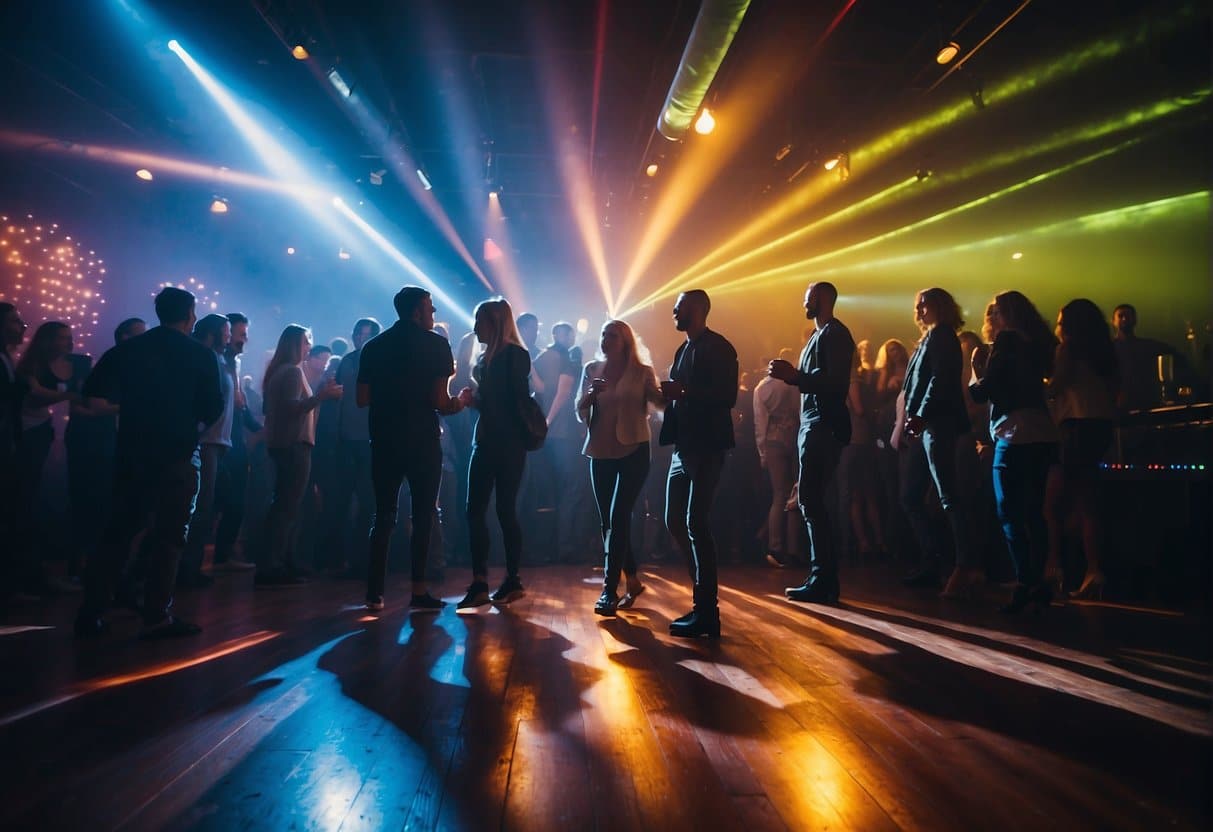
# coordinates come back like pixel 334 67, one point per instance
pixel 935 461
pixel 1020 473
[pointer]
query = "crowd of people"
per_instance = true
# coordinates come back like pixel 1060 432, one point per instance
pixel 926 453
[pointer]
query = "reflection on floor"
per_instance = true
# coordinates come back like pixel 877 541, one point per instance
pixel 297 709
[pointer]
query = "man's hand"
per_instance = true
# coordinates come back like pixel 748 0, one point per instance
pixel 782 370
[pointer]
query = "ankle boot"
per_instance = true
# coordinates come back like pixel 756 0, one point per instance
pixel 698 623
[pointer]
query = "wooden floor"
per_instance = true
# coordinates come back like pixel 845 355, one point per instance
pixel 297 710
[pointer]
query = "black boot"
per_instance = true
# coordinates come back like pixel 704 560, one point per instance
pixel 697 624
pixel 817 589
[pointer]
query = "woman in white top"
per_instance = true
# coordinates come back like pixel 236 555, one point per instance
pixel 1082 401
pixel 616 393
pixel 290 436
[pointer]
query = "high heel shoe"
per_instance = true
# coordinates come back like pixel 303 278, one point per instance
pixel 1091 589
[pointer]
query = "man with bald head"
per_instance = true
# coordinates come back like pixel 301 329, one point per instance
pixel 698 422
pixel 823 378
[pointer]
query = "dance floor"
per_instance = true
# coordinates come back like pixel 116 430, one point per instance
pixel 296 709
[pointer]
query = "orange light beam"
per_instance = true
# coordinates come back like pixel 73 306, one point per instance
pixel 705 158
pixel 76 691
pixel 503 268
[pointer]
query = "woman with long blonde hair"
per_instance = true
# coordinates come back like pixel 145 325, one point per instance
pixel 501 378
pixel 617 391
pixel 290 436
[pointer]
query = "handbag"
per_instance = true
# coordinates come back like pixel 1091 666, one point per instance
pixel 534 424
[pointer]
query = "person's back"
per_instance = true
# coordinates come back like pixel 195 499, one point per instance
pixel 168 387
pixel 400 365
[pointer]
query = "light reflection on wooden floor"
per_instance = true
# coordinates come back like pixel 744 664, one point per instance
pixel 296 709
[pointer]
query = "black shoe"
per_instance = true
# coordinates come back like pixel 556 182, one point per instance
pixel 683 619
pixel 90 626
pixel 607 603
pixel 698 624
pixel 1038 597
pixel 426 603
pixel 815 591
pixel 777 560
pixel 510 590
pixel 168 627
pixel 477 596
pixel 374 603
pixel 924 577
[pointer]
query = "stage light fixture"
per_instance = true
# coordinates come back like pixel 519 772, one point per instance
pixel 1017 255
pixel 493 194
pixel 706 122
pixel 425 180
pixel 219 206
pixel 947 53
pixel 583 326
pixel 923 173
pixel 376 176
pixel 290 249
pixel 343 254
pixel 338 82
pixel 300 52
pixel 651 171
pixel 783 152
pixel 144 174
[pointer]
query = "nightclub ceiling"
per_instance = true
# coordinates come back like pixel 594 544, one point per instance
pixel 487 147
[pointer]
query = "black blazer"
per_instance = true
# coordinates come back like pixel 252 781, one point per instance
pixel 702 421
pixel 1014 378
pixel 12 391
pixel 933 385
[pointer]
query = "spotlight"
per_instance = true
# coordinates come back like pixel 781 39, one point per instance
pixel 425 180
pixel 343 254
pixel 174 45
pixel 219 206
pixel 1017 255
pixel 338 82
pixel 376 176
pixel 144 174
pixel 706 123
pixel 783 152
pixel 922 173
pixel 651 171
pixel 841 163
pixel 290 249
pixel 493 194
pixel 583 326
pixel 300 52
pixel 832 162
pixel 947 53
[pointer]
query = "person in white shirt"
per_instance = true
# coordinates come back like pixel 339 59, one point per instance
pixel 776 424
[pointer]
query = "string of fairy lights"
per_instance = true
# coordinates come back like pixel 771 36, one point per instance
pixel 49 276
pixel 206 300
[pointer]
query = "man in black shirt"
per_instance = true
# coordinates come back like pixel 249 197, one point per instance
pixel 699 424
pixel 563 465
pixel 167 385
pixel 823 379
pixel 402 378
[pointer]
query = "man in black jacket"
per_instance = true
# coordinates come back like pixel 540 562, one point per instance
pixel 167 385
pixel 699 424
pixel 823 379
pixel 12 333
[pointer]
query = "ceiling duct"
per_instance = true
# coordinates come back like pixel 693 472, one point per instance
pixel 709 42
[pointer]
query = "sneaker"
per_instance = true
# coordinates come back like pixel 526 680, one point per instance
pixel 374 602
pixel 478 596
pixel 426 603
pixel 510 590
pixel 168 627
pixel 234 565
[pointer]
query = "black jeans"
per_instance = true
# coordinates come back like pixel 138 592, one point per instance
pixel 32 451
pixel 1020 474
pixel 820 451
pixel 231 488
pixel 617 484
pixel 497 467
pixel 203 522
pixel 292 469
pixel 690 490
pixel 422 465
pixel 352 481
pixel 935 460
pixel 164 489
